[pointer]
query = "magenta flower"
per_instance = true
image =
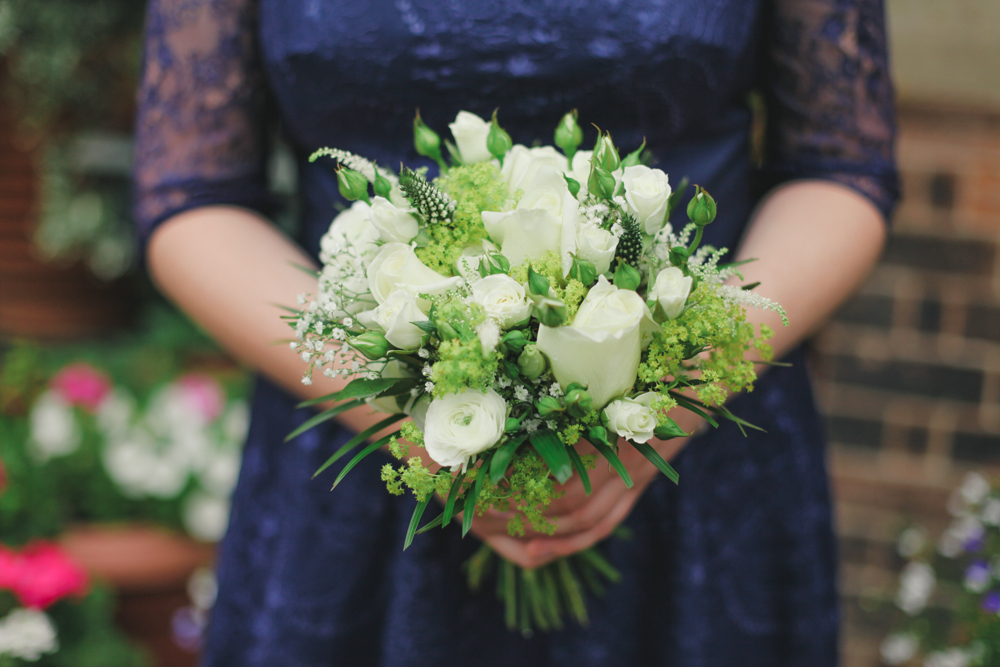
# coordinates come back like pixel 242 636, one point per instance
pixel 41 574
pixel 81 384
pixel 202 394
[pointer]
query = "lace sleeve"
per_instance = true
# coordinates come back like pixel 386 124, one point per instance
pixel 830 107
pixel 200 130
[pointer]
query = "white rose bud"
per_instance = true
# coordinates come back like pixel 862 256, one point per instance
pixel 646 194
pixel 502 298
pixel 632 418
pixel 671 290
pixel 596 245
pixel 393 224
pixel 396 314
pixel 396 265
pixel 470 132
pixel 602 347
pixel 461 425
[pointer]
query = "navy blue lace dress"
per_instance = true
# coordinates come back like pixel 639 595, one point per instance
pixel 737 565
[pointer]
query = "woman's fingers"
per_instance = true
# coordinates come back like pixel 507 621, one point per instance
pixel 546 549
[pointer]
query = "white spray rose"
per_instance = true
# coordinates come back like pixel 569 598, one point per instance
pixel 646 194
pixel 596 245
pixel 396 265
pixel 392 223
pixel 502 298
pixel 464 424
pixel 351 227
pixel 632 418
pixel 544 218
pixel 671 289
pixel 525 168
pixel 602 347
pixel 396 316
pixel 470 132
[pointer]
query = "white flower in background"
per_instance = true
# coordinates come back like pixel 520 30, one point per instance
pixel 352 228
pixel 168 477
pixel 671 289
pixel 602 347
pixel 916 583
pixel 646 194
pixel 596 245
pixel 502 298
pixel 396 314
pixel 27 634
pixel 467 264
pixel 952 657
pixel 489 336
pixel 911 541
pixel 898 648
pixel 632 418
pixel 54 430
pixel 129 461
pixel 961 531
pixel 974 488
pixel 461 425
pixel 396 265
pixel 527 168
pixel 206 517
pixel 203 588
pixel 990 514
pixel 470 132
pixel 543 221
pixel 220 475
pixel 115 413
pixel 392 223
pixel 236 422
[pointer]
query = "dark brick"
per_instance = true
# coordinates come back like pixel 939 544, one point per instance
pixel 976 447
pixel 983 322
pixel 939 254
pixel 942 191
pixel 930 316
pixel 850 431
pixel 867 309
pixel 916 440
pixel 910 378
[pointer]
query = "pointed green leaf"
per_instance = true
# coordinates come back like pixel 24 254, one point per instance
pixel 473 495
pixel 553 452
pixel 418 512
pixel 607 452
pixel 581 469
pixel 358 388
pixel 359 456
pixel 439 519
pixel 654 457
pixel 501 460
pixel 358 439
pixel 688 404
pixel 449 506
pixel 326 415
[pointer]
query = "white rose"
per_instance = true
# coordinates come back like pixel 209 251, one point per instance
pixel 601 348
pixel 671 288
pixel 543 220
pixel 502 298
pixel 646 194
pixel 596 245
pixel 351 227
pixel 396 265
pixel 470 132
pixel 467 264
pixel 525 168
pixel 632 418
pixel 393 224
pixel 464 424
pixel 396 316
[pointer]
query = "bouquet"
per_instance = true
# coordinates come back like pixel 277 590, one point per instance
pixel 522 301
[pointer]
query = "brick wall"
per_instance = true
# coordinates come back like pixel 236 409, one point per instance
pixel 908 372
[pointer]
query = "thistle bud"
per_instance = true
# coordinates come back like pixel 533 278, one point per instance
pixel 514 340
pixel 425 140
pixel 498 142
pixel 701 208
pixel 569 135
pixel 579 403
pixel 583 270
pixel 531 362
pixel 669 429
pixel 626 276
pixel 372 344
pixel 550 312
pixel 352 185
pixel 382 185
pixel 546 405
pixel 601 182
pixel 537 283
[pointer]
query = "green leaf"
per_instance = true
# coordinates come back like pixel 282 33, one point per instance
pixel 654 457
pixel 426 326
pixel 750 286
pixel 359 388
pixel 473 494
pixel 581 469
pixel 358 439
pixel 553 452
pixel 501 460
pixel 439 519
pixel 449 506
pixel 687 404
pixel 306 269
pixel 360 455
pixel 418 512
pixel 326 415
pixel 607 452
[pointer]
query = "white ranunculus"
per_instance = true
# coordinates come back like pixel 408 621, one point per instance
pixel 470 132
pixel 206 517
pixel 467 264
pixel 526 168
pixel 392 369
pixel 646 194
pixel 27 634
pixel 536 226
pixel 396 265
pixel 54 430
pixel 671 289
pixel 396 316
pixel 351 227
pixel 602 346
pixel 393 224
pixel 464 424
pixel 596 245
pixel 632 418
pixel 502 298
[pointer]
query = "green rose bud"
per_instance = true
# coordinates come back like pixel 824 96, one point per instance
pixel 601 182
pixel 634 158
pixel 569 135
pixel 573 185
pixel 425 140
pixel 626 276
pixel 515 340
pixel 531 362
pixel 550 312
pixel 372 344
pixel 600 434
pixel 512 425
pixel 678 256
pixel 701 208
pixel 668 429
pixel 493 262
pixel 352 185
pixel 537 283
pixel 606 154
pixel 382 185
pixel 583 270
pixel 579 403
pixel 498 142
pixel 546 405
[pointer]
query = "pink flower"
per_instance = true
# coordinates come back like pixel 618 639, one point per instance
pixel 202 394
pixel 41 574
pixel 81 384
